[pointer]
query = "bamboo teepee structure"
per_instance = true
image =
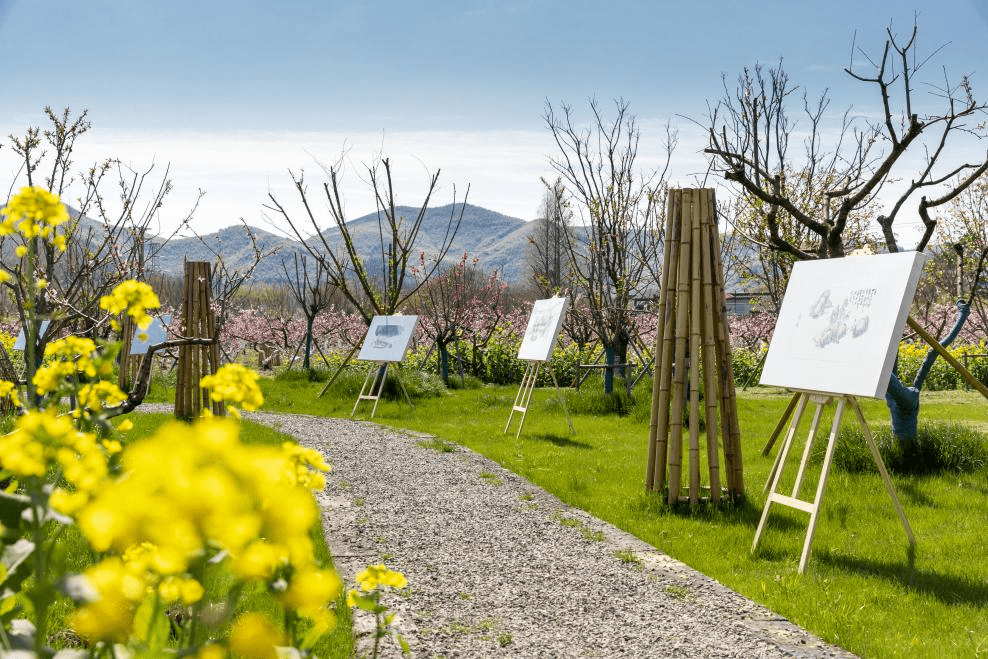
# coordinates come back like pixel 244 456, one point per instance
pixel 197 361
pixel 693 358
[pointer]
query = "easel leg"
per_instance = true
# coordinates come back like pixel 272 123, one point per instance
pixel 524 395
pixel 786 443
pixel 776 476
pixel 383 372
pixel 820 404
pixel 401 385
pixel 781 424
pixel 562 400
pixel 883 471
pixel 532 379
pixel 364 389
pixel 822 484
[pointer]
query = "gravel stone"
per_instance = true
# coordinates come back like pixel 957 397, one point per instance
pixel 497 567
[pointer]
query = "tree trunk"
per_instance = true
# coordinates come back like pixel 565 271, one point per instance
pixel 306 362
pixel 443 361
pixel 903 401
pixel 608 371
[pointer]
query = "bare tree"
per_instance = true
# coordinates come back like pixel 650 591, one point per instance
pixel 548 254
pixel 105 240
pixel 309 287
pixel 380 292
pixel 812 204
pixel 615 254
pixel 966 234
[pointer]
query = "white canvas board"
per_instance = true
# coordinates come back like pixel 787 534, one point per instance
pixel 20 342
pixel 387 338
pixel 155 333
pixel 543 329
pixel 840 324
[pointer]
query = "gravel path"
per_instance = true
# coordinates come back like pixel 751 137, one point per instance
pixel 500 568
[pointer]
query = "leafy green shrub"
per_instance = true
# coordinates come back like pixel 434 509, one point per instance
pixel 466 382
pixel 593 401
pixel 747 365
pixel 418 384
pixel 939 446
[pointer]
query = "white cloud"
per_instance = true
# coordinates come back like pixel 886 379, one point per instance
pixel 237 170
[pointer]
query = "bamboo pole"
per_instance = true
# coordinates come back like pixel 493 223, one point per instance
pixel 681 339
pixel 729 407
pixel 196 352
pixel 664 351
pixel 694 359
pixel 196 361
pixel 652 469
pixel 710 387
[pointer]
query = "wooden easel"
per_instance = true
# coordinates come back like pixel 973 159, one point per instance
pixel 524 396
pixel 374 385
pixel 821 401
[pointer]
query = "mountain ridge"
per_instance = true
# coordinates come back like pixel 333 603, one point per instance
pixel 498 241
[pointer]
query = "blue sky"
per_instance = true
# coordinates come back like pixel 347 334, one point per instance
pixel 234 93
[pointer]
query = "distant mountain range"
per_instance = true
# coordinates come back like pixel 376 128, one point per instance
pixel 498 241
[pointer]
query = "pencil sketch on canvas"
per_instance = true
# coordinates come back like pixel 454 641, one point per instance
pixel 388 338
pixel 543 329
pixel 840 323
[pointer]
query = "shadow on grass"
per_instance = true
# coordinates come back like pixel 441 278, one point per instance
pixel 910 490
pixel 737 512
pixel 949 589
pixel 559 440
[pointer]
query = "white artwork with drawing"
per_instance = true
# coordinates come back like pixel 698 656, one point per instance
pixel 154 334
pixel 388 338
pixel 543 329
pixel 840 324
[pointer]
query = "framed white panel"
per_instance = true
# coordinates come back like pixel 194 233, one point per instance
pixel 543 329
pixel 387 338
pixel 155 333
pixel 20 341
pixel 840 324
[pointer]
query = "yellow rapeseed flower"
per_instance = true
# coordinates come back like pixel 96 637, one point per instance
pixel 310 590
pixel 133 298
pixel 9 390
pixel 257 562
pixel 110 617
pixel 33 212
pixel 100 394
pixel 373 576
pixel 235 385
pixel 192 491
pixel 212 651
pixel 252 636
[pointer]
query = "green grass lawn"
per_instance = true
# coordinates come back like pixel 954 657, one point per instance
pixel 863 588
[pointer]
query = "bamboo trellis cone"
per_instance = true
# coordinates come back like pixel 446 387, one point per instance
pixel 195 362
pixel 693 358
pixel 128 363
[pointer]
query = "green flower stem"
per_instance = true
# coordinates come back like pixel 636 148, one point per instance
pixel 39 594
pixel 30 324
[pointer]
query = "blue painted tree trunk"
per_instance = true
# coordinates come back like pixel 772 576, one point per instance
pixel 443 360
pixel 903 401
pixel 307 361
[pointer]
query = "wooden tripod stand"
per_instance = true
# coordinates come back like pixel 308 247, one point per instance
pixel 524 396
pixel 813 508
pixel 374 385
